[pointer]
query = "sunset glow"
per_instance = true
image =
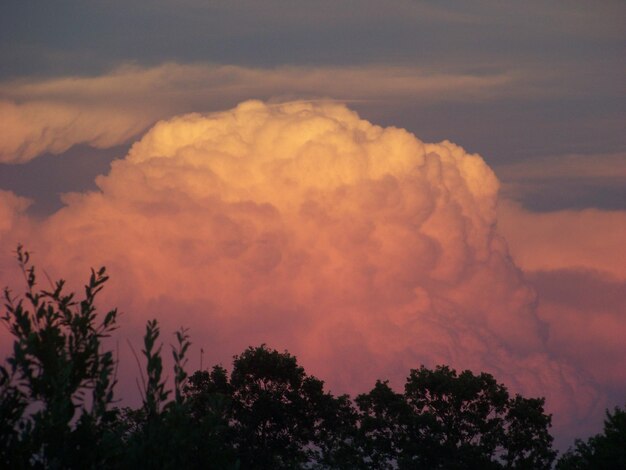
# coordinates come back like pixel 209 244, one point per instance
pixel 298 204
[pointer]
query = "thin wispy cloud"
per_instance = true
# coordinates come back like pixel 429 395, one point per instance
pixel 51 115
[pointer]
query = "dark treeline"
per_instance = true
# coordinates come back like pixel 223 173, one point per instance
pixel 57 407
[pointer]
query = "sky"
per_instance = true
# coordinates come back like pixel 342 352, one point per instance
pixel 371 185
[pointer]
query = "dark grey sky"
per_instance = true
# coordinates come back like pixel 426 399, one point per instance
pixel 569 56
pixel 85 37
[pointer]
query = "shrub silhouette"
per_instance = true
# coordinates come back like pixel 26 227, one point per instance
pixel 57 387
pixel 604 451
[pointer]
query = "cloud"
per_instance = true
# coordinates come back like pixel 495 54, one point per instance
pixel 11 208
pixel 14 226
pixel 586 309
pixel 361 249
pixel 591 239
pixel 576 263
pixel 37 127
pixel 572 181
pixel 572 166
pixel 51 115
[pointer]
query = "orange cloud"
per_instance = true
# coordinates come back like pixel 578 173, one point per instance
pixel 572 166
pixel 576 262
pixel 36 127
pixel 589 239
pixel 361 249
pixel 11 208
pixel 586 311
pixel 51 115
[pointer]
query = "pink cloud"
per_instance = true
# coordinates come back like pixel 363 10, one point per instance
pixel 576 263
pixel 361 249
pixel 586 310
pixel 569 239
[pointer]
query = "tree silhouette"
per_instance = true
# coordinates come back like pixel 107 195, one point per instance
pixel 47 420
pixel 445 420
pixel 279 417
pixel 171 434
pixel 385 418
pixel 606 451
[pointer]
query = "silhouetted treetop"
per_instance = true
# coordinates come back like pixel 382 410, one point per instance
pixel 605 451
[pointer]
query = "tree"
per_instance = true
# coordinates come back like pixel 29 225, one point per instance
pixel 56 390
pixel 278 416
pixel 606 451
pixel 445 420
pixel 527 441
pixel 167 434
pixel 384 420
pixel 58 358
pixel 336 442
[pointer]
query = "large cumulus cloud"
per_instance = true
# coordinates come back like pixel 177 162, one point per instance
pixel 361 249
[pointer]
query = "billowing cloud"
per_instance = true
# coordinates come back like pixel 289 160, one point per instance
pixel 14 226
pixel 586 309
pixel 51 115
pixel 11 208
pixel 576 262
pixel 361 249
pixel 589 239
pixel 34 128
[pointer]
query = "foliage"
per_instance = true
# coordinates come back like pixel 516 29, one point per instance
pixel 606 451
pixel 58 383
pixel 385 417
pixel 56 390
pixel 278 416
pixel 164 434
pixel 445 420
